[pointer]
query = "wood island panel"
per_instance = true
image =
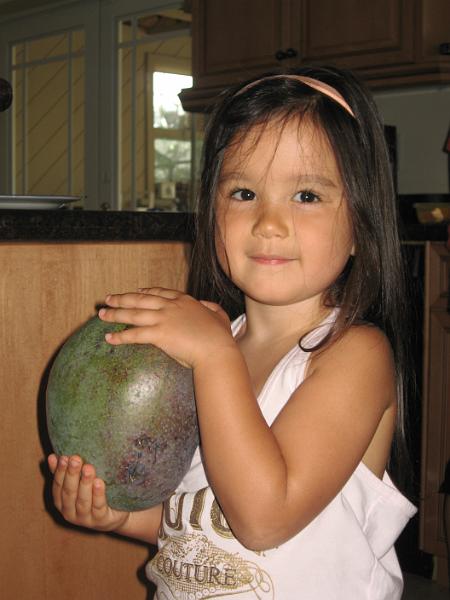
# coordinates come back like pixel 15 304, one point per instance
pixel 47 290
pixel 436 404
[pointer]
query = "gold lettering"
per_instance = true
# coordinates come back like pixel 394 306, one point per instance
pixel 159 563
pixel 230 577
pixel 175 523
pixel 214 574
pixel 175 570
pixel 167 570
pixel 198 505
pixel 205 573
pixel 219 522
pixel 188 566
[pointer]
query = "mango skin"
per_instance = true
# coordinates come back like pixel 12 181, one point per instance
pixel 129 410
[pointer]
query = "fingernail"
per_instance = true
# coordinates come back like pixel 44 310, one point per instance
pixel 108 336
pixel 101 312
pixel 74 462
pixel 108 298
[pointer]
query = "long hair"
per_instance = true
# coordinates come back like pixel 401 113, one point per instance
pixel 371 287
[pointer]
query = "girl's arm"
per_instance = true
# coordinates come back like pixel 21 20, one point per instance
pixel 269 481
pixel 80 497
pixel 272 482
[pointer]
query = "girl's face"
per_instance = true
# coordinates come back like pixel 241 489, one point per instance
pixel 283 229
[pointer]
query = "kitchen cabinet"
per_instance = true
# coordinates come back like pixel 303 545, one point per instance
pixel 358 34
pixel 47 290
pixel 237 38
pixel 390 43
pixel 436 403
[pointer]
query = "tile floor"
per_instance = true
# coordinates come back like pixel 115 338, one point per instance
pixel 419 588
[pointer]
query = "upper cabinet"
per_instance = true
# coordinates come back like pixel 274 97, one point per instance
pixel 390 43
pixel 356 34
pixel 236 38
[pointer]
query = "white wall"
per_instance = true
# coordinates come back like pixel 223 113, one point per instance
pixel 422 118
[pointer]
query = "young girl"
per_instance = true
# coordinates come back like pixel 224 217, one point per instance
pixel 299 399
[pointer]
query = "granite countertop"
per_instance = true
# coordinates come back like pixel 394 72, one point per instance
pixel 66 225
pixel 422 233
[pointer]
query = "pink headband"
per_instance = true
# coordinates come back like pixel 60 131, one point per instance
pixel 320 86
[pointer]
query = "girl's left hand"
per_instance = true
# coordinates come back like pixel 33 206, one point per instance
pixel 186 329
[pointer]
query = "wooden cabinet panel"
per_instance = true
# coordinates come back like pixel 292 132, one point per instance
pixel 436 396
pixel 390 43
pixel 433 29
pixel 358 34
pixel 237 38
pixel 46 291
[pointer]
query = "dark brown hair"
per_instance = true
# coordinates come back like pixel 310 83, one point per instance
pixel 371 287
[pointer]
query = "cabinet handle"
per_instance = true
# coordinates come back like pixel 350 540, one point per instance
pixel 280 55
pixel 291 53
pixel 283 54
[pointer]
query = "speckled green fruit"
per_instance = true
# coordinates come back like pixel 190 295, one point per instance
pixel 129 410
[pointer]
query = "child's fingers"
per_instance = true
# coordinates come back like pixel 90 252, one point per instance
pixel 128 300
pixel 78 494
pixel 58 480
pixel 136 335
pixel 83 503
pixel 161 292
pixel 131 316
pixel 52 461
pixel 99 502
pixel 151 298
pixel 69 491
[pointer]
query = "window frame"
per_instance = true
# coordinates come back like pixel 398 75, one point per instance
pixel 99 19
pixel 27 26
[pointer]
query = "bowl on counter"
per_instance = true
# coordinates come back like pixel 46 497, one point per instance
pixel 415 209
pixel 432 213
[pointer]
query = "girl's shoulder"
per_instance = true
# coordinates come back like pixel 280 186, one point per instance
pixel 360 360
pixel 359 346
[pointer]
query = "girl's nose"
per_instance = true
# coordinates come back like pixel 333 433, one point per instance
pixel 270 221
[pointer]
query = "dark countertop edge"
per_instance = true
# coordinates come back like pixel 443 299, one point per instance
pixel 423 233
pixel 80 225
pixel 103 226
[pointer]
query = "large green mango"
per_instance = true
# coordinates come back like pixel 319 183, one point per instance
pixel 129 410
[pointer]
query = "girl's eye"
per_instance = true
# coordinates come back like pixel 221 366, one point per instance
pixel 243 194
pixel 306 196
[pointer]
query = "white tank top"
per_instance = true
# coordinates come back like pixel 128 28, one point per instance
pixel 345 553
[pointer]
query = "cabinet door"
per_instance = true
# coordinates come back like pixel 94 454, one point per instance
pixel 358 34
pixel 238 38
pixel 436 409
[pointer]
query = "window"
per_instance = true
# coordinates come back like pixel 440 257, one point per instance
pixel 158 151
pixel 95 110
pixel 48 115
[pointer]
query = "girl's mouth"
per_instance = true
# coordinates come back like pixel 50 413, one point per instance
pixel 271 259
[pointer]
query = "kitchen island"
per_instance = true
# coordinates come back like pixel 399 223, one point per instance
pixel 55 268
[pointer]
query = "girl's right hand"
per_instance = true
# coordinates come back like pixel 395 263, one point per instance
pixel 80 496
